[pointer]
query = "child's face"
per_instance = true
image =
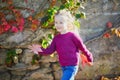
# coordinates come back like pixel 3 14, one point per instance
pixel 60 24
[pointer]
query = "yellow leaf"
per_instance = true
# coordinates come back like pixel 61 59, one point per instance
pixel 33 27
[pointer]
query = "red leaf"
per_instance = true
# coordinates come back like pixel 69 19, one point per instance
pixel 17 14
pixel 4 23
pixel 3 0
pixel 20 28
pixel 1 15
pixel 12 22
pixel 33 27
pixel 30 18
pixel 10 2
pixel 3 19
pixel 11 7
pixel 109 24
pixel 36 22
pixel 7 27
pixel 53 2
pixel 14 10
pixel 14 29
pixel 26 1
pixel 106 35
pixel 22 21
pixel 1 29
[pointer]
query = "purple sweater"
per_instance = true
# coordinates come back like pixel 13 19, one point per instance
pixel 67 46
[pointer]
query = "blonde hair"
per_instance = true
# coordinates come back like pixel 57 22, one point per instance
pixel 70 19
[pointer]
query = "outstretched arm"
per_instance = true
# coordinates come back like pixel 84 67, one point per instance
pixel 37 49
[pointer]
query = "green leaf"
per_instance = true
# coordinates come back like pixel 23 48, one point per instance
pixel 51 19
pixel 78 4
pixel 55 8
pixel 50 36
pixel 11 53
pixel 77 23
pixel 62 7
pixel 44 43
pixel 51 13
pixel 8 60
pixel 67 5
pixel 33 61
pixel 77 16
pixel 45 24
pixel 82 15
pixel 53 27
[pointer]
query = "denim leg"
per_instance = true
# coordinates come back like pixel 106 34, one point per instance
pixel 69 72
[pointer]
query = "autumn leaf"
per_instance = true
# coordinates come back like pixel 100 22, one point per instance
pixel 14 29
pixel 11 7
pixel 26 1
pixel 14 10
pixel 53 2
pixel 22 21
pixel 106 35
pixel 20 27
pixel 7 27
pixel 30 18
pixel 10 2
pixel 36 22
pixel 2 14
pixel 33 27
pixel 11 22
pixel 115 31
pixel 1 29
pixel 3 0
pixel 109 24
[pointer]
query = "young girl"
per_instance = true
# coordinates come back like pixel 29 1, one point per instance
pixel 67 44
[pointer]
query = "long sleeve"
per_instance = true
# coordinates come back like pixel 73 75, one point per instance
pixel 80 45
pixel 50 49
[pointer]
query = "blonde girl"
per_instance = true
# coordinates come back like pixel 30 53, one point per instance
pixel 67 44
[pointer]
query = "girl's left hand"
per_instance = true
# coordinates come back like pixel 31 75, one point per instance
pixel 85 60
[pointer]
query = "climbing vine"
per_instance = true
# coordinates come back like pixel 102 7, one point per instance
pixel 71 5
pixel 12 20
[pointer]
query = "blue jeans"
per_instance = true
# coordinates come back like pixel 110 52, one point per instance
pixel 69 72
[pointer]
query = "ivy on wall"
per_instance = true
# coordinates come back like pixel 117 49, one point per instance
pixel 11 19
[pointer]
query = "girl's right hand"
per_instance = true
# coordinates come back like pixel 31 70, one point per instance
pixel 35 48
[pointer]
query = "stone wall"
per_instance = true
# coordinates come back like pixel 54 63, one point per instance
pixel 105 50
